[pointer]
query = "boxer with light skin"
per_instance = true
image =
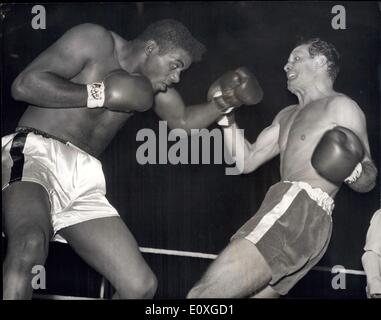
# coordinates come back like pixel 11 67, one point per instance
pixel 371 259
pixel 81 91
pixel 322 143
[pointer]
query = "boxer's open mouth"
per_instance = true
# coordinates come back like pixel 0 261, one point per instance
pixel 291 76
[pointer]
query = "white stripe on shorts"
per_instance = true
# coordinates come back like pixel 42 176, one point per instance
pixel 272 216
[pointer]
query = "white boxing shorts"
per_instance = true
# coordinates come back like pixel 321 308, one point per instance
pixel 72 178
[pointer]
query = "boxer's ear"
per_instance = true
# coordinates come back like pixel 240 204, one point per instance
pixel 320 61
pixel 150 47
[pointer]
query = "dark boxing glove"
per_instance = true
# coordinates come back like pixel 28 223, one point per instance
pixel 122 92
pixel 338 155
pixel 235 88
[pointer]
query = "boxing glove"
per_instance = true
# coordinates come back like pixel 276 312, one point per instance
pixel 121 91
pixel 235 88
pixel 338 153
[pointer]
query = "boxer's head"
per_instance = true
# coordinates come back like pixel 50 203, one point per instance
pixel 311 60
pixel 169 48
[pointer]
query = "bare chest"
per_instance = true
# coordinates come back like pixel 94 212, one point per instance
pixel 89 129
pixel 303 128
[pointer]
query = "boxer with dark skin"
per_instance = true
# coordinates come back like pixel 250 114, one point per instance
pixel 68 105
pixel 321 140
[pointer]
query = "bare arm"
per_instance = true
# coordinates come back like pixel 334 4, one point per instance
pixel 252 155
pixel 349 115
pixel 45 82
pixel 371 263
pixel 170 106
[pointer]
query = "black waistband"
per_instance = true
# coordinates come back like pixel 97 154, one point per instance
pixel 40 133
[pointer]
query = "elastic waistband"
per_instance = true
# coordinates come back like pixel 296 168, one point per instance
pixel 319 196
pixel 50 136
pixel 40 133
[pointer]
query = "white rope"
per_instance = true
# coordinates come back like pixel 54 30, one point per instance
pixel 214 256
pixel 179 253
pixel 339 270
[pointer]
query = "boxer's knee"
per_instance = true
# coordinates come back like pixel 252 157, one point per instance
pixel 150 286
pixel 194 293
pixel 26 248
pixel 200 291
pixel 143 286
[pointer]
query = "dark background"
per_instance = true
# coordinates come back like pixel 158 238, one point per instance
pixel 198 207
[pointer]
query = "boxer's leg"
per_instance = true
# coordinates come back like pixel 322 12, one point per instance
pixel 108 246
pixel 237 272
pixel 27 226
pixel 266 293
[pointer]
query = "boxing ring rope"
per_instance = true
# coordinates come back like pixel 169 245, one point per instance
pixel 214 256
pixel 180 253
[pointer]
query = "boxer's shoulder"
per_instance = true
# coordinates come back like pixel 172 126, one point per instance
pixel 86 29
pixel 285 113
pixel 90 36
pixel 340 101
pixel 341 105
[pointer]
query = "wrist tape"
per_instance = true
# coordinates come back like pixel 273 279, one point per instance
pixel 356 173
pixel 95 95
pixel 226 121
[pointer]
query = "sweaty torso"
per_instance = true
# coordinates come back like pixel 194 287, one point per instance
pixel 300 132
pixel 89 129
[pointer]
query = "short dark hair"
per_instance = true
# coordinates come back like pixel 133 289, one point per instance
pixel 317 47
pixel 170 34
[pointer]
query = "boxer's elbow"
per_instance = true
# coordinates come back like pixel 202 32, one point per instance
pixel 253 158
pixel 179 123
pixel 17 89
pixel 248 166
pixel 21 89
pixel 244 170
pixel 247 169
